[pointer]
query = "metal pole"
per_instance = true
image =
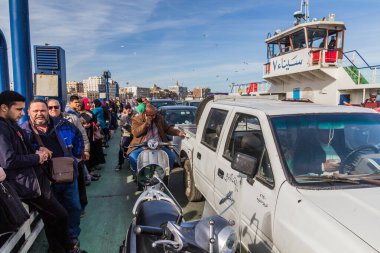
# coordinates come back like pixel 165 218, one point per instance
pixel 4 70
pixel 21 55
pixel 107 89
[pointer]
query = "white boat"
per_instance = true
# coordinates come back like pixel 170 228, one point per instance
pixel 308 61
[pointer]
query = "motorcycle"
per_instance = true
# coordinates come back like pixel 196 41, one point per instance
pixel 151 159
pixel 158 225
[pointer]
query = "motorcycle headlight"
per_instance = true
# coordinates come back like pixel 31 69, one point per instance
pixel 152 143
pixel 145 175
pixel 227 240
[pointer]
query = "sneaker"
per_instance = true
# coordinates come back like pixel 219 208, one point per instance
pixel 94 178
pixel 77 250
pixel 95 175
pixel 118 168
pixel 82 214
pixel 97 168
pixel 87 182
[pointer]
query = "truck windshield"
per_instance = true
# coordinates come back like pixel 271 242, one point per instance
pixel 317 147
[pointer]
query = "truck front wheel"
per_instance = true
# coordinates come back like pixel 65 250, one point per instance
pixel 191 191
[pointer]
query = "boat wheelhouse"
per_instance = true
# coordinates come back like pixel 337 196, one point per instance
pixel 308 61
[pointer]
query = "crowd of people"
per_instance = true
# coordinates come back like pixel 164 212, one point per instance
pixel 29 153
pixel 32 153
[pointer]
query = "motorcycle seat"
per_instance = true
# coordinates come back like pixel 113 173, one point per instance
pixel 155 213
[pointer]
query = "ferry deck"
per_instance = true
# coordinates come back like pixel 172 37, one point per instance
pixel 109 210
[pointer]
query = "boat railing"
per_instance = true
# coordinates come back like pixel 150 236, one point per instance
pixel 324 57
pixel 21 240
pixel 359 69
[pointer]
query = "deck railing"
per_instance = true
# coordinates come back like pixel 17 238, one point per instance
pixel 23 239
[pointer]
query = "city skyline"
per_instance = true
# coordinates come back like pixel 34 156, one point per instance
pixel 198 43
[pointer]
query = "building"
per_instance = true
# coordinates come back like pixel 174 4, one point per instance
pixel 138 91
pixel 113 89
pixel 179 90
pixel 199 93
pixel 95 83
pixel 92 95
pixel 74 87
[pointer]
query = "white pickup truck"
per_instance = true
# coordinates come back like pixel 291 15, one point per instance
pixel 298 177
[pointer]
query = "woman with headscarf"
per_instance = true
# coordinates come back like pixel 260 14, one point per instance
pixel 90 123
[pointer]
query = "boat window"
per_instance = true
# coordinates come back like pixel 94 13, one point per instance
pixel 298 39
pixel 332 40
pixel 285 45
pixel 316 37
pixel 340 39
pixel 273 49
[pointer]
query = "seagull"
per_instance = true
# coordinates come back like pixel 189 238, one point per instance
pixel 246 63
pixel 122 46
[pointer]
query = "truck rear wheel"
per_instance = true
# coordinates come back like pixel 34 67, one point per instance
pixel 191 191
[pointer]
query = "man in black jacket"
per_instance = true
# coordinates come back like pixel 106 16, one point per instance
pixel 25 174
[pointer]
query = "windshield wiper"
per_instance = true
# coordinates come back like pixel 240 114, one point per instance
pixel 370 178
pixel 343 179
pixel 329 178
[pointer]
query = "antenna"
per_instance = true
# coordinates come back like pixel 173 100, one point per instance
pixel 303 13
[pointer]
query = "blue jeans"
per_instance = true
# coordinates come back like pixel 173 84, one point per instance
pixel 68 195
pixel 135 153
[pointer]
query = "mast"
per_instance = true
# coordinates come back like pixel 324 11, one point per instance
pixel 303 13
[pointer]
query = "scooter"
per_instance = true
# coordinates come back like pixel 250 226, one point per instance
pixel 150 160
pixel 158 225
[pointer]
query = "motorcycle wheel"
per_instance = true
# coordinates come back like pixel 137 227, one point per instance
pixel 191 192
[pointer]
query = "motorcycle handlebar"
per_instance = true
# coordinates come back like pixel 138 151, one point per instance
pixel 149 230
pixel 146 144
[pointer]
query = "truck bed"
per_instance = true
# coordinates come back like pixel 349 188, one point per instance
pixel 190 130
pixel 185 144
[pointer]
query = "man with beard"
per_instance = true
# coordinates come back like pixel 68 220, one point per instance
pixel 62 139
pixel 21 161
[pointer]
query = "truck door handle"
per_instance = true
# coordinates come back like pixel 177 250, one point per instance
pixel 199 156
pixel 220 173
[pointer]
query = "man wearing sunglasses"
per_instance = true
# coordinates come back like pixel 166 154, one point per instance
pixel 55 111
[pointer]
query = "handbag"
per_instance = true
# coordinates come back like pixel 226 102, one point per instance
pixel 12 212
pixel 25 183
pixel 97 133
pixel 62 169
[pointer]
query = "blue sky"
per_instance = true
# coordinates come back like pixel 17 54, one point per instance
pixel 208 43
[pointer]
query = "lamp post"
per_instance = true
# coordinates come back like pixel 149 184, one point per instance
pixel 107 74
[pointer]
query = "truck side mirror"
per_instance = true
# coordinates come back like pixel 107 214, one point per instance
pixel 244 164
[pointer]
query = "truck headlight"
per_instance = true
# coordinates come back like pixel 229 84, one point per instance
pixel 227 240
